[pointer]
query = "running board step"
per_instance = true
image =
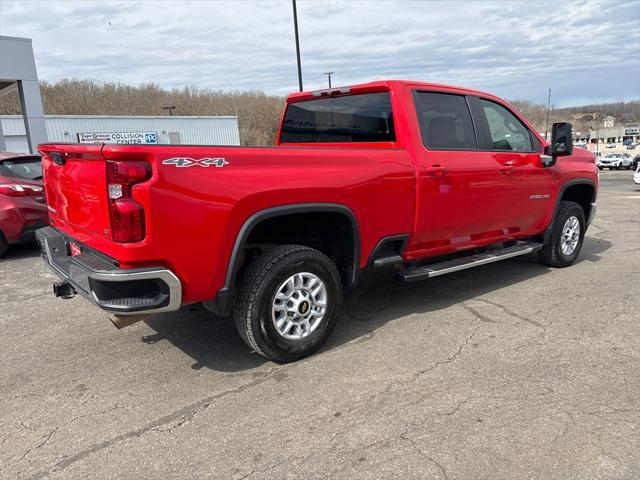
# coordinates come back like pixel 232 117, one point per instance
pixel 384 261
pixel 449 266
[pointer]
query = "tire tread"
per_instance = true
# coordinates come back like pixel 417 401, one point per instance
pixel 249 289
pixel 550 254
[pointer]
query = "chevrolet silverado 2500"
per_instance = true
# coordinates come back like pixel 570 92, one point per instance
pixel 426 178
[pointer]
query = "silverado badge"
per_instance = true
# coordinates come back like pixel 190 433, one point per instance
pixel 182 162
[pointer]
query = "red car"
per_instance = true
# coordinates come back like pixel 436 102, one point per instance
pixel 427 179
pixel 22 206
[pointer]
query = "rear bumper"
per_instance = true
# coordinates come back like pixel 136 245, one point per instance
pixel 28 233
pixel 102 282
pixel 20 217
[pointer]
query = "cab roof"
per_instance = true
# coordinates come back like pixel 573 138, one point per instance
pixel 381 85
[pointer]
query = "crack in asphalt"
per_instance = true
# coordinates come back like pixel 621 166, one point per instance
pixel 183 414
pixel 514 314
pixel 22 299
pixel 415 446
pixel 48 436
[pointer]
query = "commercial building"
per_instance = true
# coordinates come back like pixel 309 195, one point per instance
pixel 18 72
pixel 23 133
pixel 615 134
pixel 124 130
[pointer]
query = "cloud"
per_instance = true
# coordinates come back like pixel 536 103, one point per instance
pixel 582 50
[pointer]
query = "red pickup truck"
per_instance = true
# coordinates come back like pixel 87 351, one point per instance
pixel 427 178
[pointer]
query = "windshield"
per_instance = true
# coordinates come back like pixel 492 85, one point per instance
pixel 23 168
pixel 613 155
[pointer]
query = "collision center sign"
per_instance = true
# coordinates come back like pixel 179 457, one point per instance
pixel 122 138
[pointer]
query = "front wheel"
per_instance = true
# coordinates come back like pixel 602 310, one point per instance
pixel 567 236
pixel 288 302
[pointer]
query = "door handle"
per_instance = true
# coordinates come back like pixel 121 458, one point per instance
pixel 436 171
pixel 506 169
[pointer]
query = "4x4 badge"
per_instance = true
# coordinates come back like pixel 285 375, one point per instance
pixel 182 162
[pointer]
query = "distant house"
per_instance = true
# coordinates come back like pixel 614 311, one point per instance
pixel 609 121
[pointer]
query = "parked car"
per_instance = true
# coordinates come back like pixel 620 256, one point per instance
pixel 385 174
pixel 22 205
pixel 611 145
pixel 636 162
pixel 616 161
pixel 631 146
pixel 636 175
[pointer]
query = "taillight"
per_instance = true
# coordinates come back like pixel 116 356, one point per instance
pixel 127 215
pixel 20 190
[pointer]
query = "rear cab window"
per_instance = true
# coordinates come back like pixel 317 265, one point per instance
pixel 365 117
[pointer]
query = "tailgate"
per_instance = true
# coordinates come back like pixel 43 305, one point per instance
pixel 76 187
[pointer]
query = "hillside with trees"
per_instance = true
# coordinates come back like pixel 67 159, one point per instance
pixel 258 113
pixel 583 118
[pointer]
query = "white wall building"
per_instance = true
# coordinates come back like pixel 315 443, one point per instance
pixel 125 129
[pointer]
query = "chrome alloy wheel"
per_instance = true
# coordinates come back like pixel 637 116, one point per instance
pixel 299 305
pixel 570 235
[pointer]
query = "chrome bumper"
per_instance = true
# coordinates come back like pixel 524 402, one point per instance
pixel 102 282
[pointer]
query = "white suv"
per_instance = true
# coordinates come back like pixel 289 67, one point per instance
pixel 615 160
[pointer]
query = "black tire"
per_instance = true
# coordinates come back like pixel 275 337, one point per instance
pixel 4 245
pixel 600 168
pixel 551 254
pixel 256 292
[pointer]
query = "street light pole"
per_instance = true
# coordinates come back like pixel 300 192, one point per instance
pixel 546 130
pixel 328 74
pixel 295 27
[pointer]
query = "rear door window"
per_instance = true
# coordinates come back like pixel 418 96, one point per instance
pixel 445 121
pixel 355 118
pixel 507 132
pixel 28 168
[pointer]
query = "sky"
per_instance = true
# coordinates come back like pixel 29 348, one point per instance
pixel 586 52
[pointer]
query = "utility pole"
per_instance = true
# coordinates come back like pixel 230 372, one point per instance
pixel 328 74
pixel 171 108
pixel 546 130
pixel 295 27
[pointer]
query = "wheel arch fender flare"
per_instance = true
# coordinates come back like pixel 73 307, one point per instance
pixel 222 303
pixel 561 191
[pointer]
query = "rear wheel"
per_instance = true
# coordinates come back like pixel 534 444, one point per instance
pixel 288 302
pixel 567 236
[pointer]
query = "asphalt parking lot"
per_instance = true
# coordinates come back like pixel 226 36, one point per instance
pixel 507 371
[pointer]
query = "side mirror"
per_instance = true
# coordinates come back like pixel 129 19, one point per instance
pixel 561 143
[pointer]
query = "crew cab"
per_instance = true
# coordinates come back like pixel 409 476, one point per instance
pixel 423 178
